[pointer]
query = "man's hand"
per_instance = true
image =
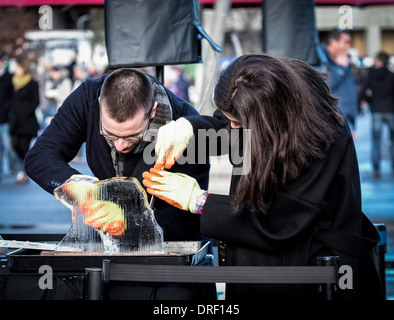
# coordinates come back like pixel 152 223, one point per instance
pixel 107 216
pixel 172 140
pixel 342 58
pixel 78 187
pixel 179 190
pixel 83 192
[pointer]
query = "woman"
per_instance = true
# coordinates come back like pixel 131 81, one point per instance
pixel 300 196
pixel 23 122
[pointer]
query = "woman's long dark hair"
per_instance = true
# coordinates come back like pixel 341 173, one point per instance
pixel 292 116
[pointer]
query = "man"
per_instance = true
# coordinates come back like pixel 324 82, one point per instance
pixel 379 93
pixel 116 115
pixel 341 80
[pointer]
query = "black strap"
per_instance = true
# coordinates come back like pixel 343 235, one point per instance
pixel 343 241
pixel 228 274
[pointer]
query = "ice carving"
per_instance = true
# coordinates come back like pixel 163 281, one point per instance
pixel 111 216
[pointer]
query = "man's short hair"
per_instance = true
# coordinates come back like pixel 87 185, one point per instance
pixel 384 57
pixel 336 34
pixel 125 92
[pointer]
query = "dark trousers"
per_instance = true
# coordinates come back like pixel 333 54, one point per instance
pixel 21 144
pixel 378 119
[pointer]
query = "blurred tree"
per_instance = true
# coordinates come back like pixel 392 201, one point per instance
pixel 216 28
pixel 97 25
pixel 14 22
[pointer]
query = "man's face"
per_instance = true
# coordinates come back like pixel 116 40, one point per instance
pixel 19 70
pixel 55 74
pixel 378 63
pixel 344 42
pixel 124 135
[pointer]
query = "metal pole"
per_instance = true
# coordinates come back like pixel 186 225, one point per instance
pixel 379 252
pixel 328 290
pixel 160 73
pixel 94 289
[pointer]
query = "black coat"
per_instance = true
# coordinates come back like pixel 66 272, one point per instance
pixel 77 121
pixel 318 214
pixel 23 120
pixel 6 92
pixel 378 90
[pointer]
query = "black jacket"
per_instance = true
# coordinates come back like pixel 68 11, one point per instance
pixel 318 214
pixel 23 120
pixel 77 121
pixel 378 90
pixel 6 92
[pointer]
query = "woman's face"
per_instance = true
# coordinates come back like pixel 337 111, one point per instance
pixel 19 70
pixel 233 121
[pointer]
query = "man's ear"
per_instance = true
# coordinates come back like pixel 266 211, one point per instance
pixel 154 109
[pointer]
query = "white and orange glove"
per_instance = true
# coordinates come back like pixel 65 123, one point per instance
pixel 172 140
pixel 177 189
pixel 84 192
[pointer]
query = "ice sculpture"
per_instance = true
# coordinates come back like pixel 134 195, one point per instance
pixel 111 216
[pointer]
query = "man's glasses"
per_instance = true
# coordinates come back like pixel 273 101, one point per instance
pixel 132 139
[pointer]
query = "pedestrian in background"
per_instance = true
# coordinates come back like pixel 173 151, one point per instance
pixel 378 92
pixel 336 62
pixel 23 122
pixel 6 92
pixel 79 76
pixel 182 84
pixel 57 89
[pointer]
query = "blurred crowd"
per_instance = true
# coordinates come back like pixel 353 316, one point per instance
pixel 32 92
pixel 361 89
pixel 30 95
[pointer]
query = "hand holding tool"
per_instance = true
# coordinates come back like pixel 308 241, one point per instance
pixel 179 190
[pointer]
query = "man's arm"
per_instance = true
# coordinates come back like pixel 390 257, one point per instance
pixel 179 224
pixel 47 161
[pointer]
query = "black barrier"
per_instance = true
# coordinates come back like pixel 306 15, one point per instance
pixel 379 254
pixel 324 275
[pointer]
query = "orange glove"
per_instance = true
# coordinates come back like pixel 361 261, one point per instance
pixel 179 190
pixel 105 215
pixel 83 192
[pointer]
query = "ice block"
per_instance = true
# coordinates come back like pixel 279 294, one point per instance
pixel 111 216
